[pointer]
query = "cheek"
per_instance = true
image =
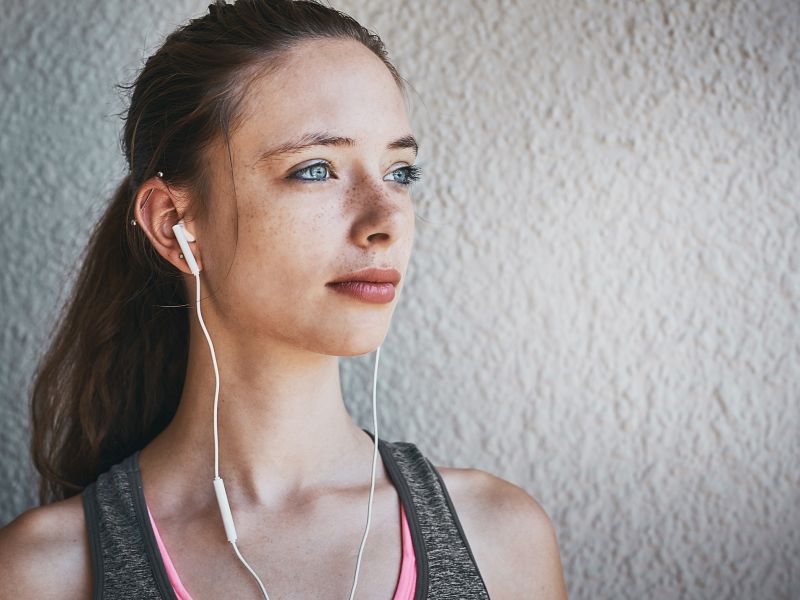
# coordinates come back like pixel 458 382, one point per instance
pixel 288 249
pixel 287 261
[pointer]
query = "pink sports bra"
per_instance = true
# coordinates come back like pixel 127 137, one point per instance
pixel 405 584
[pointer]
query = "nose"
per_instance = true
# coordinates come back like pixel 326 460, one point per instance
pixel 382 215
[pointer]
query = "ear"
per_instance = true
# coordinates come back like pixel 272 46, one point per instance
pixel 157 208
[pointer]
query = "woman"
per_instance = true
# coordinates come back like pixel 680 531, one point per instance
pixel 274 134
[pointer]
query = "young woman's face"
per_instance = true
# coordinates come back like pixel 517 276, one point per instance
pixel 312 215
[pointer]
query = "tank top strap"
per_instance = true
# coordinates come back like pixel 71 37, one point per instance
pixel 122 552
pixel 446 567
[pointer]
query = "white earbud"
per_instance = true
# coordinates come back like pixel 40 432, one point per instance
pixel 184 236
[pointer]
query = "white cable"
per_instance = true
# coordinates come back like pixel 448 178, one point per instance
pixel 216 375
pixel 241 558
pixel 374 460
pixel 216 436
pixel 229 528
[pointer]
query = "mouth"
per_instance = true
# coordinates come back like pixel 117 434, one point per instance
pixel 366 291
pixel 371 275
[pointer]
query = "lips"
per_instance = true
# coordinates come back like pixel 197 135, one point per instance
pixel 371 274
pixel 366 291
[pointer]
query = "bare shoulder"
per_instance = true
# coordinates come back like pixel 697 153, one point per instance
pixel 511 536
pixel 44 553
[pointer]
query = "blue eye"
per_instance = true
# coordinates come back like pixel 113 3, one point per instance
pixel 318 168
pixel 411 173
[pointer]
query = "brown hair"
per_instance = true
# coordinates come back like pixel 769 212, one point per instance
pixel 112 378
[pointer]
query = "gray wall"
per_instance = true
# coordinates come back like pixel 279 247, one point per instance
pixel 603 302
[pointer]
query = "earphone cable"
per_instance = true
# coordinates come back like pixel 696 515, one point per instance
pixel 216 375
pixel 216 436
pixel 374 461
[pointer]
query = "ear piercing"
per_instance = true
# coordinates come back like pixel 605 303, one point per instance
pixel 133 221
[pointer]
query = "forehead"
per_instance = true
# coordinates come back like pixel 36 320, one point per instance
pixel 337 85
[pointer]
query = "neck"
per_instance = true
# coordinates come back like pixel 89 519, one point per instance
pixel 283 429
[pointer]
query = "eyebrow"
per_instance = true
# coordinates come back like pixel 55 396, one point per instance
pixel 323 138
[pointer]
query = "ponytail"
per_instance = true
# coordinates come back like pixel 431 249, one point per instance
pixel 113 375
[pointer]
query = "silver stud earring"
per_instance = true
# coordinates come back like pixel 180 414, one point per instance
pixel 181 255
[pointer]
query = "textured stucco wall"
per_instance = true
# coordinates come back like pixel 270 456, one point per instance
pixel 603 302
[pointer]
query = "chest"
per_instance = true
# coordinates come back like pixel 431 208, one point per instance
pixel 296 551
pixel 309 553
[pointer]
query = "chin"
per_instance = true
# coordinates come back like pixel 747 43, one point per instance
pixel 357 343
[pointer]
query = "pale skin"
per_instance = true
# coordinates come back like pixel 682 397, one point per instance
pixel 296 467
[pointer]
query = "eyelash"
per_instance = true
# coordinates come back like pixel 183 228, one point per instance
pixel 414 173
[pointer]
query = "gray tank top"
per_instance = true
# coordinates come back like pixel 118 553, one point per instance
pixel 126 562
